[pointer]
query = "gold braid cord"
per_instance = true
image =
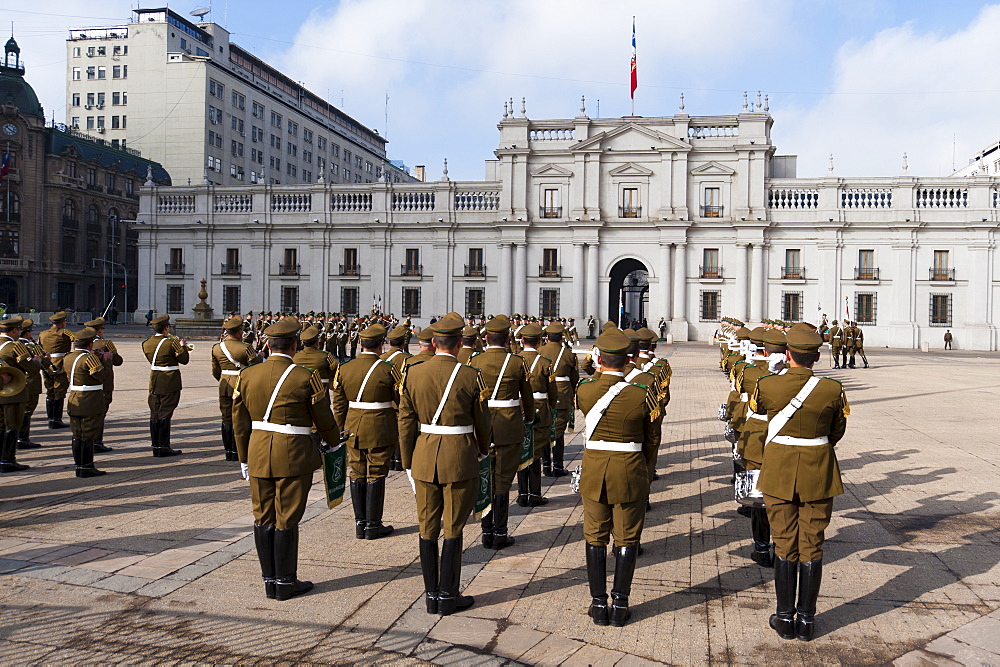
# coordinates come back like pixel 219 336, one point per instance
pixel 316 385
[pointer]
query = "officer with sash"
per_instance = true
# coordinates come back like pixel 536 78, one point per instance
pixel 614 482
pixel 364 390
pixel 276 404
pixel 510 405
pixel 57 342
pixel 86 372
pixel 546 396
pixel 807 417
pixel 13 353
pixel 444 428
pixel 397 356
pixel 165 354
pixel 39 365
pixel 230 356
pixel 106 350
pixel 566 373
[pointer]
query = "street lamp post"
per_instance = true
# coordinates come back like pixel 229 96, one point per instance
pixel 124 274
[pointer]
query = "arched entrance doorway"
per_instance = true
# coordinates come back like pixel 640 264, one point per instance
pixel 629 285
pixel 8 294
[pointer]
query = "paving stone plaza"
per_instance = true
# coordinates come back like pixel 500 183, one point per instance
pixel 155 562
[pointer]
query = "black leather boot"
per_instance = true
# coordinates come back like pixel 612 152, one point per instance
pixel 865 360
pixel 851 365
pixel 449 600
pixel 375 503
pixel 263 537
pixel 154 434
pixel 99 446
pixel 229 442
pixel 8 452
pixel 86 468
pixel 535 497
pixel 783 620
pixel 760 528
pixel 558 450
pixel 486 523
pixel 810 577
pixel 286 560
pixel 597 577
pixel 164 450
pixel 501 507
pixel 522 487
pixel 430 569
pixel 54 407
pixel 359 498
pixel 624 569
pixel 24 435
pixel 547 461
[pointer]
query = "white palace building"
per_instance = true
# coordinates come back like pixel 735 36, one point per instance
pixel 694 217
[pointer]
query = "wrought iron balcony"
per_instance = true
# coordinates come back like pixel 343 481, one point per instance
pixel 173 269
pixel 70 223
pixel 231 269
pixel 709 272
pixel 793 273
pixel 411 269
pixel 550 211
pixel 475 270
pixel 629 211
pixel 942 274
pixel 289 269
pixel 350 269
pixel 866 273
pixel 549 271
pixel 711 211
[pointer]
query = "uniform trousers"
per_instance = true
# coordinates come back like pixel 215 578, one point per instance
pixel 798 527
pixel 562 420
pixel 623 521
pixel 162 406
pixel 12 415
pixel 226 402
pixel 279 501
pixel 540 438
pixel 86 427
pixel 56 385
pixel 369 464
pixel 506 460
pixel 445 507
pixel 29 408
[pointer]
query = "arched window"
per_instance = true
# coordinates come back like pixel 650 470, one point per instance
pixel 69 210
pixel 93 215
pixel 14 210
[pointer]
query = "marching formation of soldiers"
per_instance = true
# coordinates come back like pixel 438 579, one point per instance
pixel 784 423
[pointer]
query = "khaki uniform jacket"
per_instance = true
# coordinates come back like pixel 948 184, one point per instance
pixel 35 374
pixel 56 342
pixel 859 340
pixel 811 473
pixel 422 355
pixel 302 401
pixel 103 345
pixel 508 423
pixel 752 431
pixel 735 403
pixel 15 353
pixel 89 371
pixel 465 354
pixel 317 360
pixel 242 354
pixel 836 337
pixel 369 428
pixel 622 476
pixel 171 354
pixel 442 459
pixel 542 382
pixel 567 367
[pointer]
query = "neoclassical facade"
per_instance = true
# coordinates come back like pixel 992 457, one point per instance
pixel 688 218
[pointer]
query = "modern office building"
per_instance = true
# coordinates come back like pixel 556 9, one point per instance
pixel 210 111
pixel 689 218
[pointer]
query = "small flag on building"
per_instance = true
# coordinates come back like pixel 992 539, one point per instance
pixel 5 165
pixel 634 79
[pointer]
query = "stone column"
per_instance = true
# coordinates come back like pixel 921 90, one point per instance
pixel 663 277
pixel 758 301
pixel 520 278
pixel 740 307
pixel 679 322
pixel 591 285
pixel 579 286
pixel 503 280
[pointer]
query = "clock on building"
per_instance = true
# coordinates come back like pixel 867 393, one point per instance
pixel 10 129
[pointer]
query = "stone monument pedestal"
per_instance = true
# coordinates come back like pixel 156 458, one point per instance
pixel 203 324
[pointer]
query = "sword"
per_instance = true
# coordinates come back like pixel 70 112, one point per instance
pixel 108 307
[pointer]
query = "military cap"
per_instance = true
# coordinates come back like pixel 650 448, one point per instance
pixel 531 331
pixel 374 332
pixel 310 334
pixel 470 332
pixel 96 323
pixel 425 334
pixel 835 321
pixel 235 322
pixel 742 333
pixel 498 326
pixel 398 332
pixel 607 325
pixel 632 335
pixel 286 327
pixel 613 341
pixel 757 335
pixel 555 328
pixel 84 335
pixel 803 340
pixel 159 319
pixel 449 325
pixel 12 322
pixel 57 317
pixel 27 324
pixel 774 338
pixel 647 335
pixel 804 326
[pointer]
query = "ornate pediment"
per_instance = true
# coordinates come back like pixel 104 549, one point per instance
pixel 631 169
pixel 552 170
pixel 713 169
pixel 631 137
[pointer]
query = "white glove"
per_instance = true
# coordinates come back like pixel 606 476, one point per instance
pixel 409 476
pixel 244 471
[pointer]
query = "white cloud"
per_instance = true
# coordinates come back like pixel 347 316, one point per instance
pixel 922 89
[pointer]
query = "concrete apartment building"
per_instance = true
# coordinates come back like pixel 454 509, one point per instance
pixel 185 96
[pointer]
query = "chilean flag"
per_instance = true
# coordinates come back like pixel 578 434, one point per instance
pixel 5 165
pixel 634 79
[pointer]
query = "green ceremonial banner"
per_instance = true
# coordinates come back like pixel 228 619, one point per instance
pixel 335 474
pixel 485 496
pixel 527 446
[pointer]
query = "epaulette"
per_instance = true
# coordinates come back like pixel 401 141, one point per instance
pixel 93 363
pixel 847 406
pixel 484 389
pixel 21 351
pixel 330 357
pixel 335 381
pixel 316 384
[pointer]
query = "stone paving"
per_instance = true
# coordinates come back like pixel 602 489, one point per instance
pixel 154 562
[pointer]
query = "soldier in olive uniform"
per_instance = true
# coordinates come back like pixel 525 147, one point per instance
pixel 398 356
pixel 807 417
pixel 836 343
pixel 614 482
pixel 426 351
pixel 109 356
pixel 86 371
pixel 444 428
pixel 510 406
pixel 859 345
pixel 363 393
pixel 470 336
pixel 57 342
pixel 13 353
pixel 566 373
pixel 229 357
pixel 314 358
pixel 39 364
pixel 165 354
pixel 546 396
pixel 275 406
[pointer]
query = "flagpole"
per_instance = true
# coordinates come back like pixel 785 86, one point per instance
pixel 8 181
pixel 633 75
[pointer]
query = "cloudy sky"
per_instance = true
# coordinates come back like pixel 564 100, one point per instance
pixel 866 80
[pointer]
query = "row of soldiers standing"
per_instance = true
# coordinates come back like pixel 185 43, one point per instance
pixel 784 423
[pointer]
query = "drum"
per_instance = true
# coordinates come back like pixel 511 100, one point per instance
pixel 746 488
pixel 723 412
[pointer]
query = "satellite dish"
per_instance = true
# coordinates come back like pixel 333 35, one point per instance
pixel 201 11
